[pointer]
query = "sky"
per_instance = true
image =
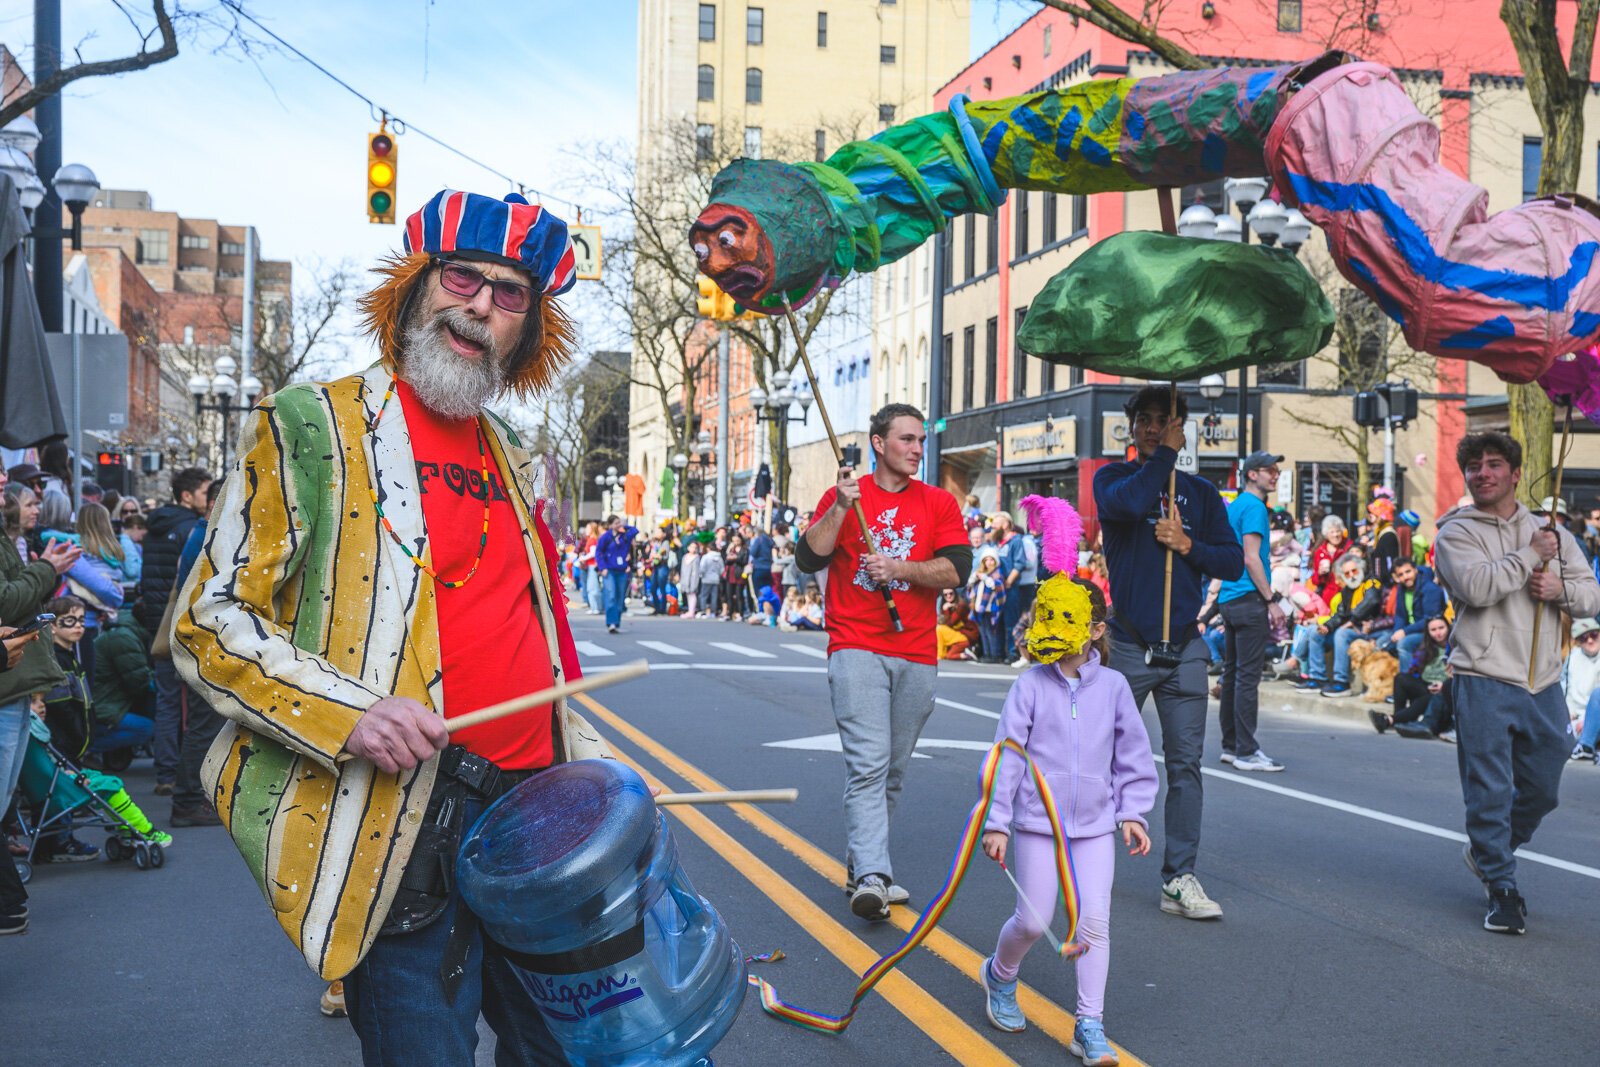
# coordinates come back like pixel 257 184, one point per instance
pixel 266 140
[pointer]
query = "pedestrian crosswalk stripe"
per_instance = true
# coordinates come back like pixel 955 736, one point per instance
pixel 966 707
pixel 589 648
pixel 807 650
pixel 743 650
pixel 664 648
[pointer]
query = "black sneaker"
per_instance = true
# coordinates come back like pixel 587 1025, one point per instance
pixel 1381 722
pixel 1582 751
pixel 871 899
pixel 1337 689
pixel 13 924
pixel 1309 684
pixel 1508 914
pixel 1414 730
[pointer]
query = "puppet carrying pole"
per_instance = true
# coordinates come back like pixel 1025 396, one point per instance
pixel 838 455
pixel 1555 498
pixel 1172 504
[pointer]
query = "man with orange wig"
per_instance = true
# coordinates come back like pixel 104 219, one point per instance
pixel 378 564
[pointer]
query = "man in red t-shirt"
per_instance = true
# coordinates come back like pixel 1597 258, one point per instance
pixel 881 681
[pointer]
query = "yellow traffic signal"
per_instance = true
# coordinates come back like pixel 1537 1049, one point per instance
pixel 382 173
pixel 711 302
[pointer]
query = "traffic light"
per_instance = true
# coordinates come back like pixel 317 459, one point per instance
pixel 710 301
pixel 382 156
pixel 111 472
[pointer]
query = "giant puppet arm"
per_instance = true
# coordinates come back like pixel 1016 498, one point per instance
pixel 1513 291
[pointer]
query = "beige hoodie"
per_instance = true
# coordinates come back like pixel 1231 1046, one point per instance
pixel 1484 563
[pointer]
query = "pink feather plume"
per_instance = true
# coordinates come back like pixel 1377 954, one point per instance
pixel 1061 528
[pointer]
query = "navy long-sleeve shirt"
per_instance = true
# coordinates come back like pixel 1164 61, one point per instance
pixel 1128 497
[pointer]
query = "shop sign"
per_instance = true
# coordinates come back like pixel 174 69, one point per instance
pixel 1219 440
pixel 1036 442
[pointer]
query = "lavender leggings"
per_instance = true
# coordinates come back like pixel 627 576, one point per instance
pixel 1033 861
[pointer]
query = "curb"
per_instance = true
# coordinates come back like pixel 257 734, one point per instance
pixel 1281 696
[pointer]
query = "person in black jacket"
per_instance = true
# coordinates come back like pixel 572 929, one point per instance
pixel 167 529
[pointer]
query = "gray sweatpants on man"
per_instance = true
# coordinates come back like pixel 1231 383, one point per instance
pixel 1180 694
pixel 1511 747
pixel 881 704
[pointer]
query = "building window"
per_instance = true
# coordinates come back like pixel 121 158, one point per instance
pixel 991 361
pixel 969 248
pixel 886 54
pixel 1047 30
pixel 193 240
pixel 1532 160
pixel 705 142
pixel 927 271
pixel 754 25
pixel 946 372
pixel 886 113
pixel 752 85
pixel 708 82
pixel 1049 219
pixel 232 248
pixel 1288 16
pixel 1080 214
pixel 752 142
pixel 151 247
pixel 1019 358
pixel 992 246
pixel 969 365
pixel 822 29
pixel 708 22
pixel 822 145
pixel 1022 222
pixel 1047 379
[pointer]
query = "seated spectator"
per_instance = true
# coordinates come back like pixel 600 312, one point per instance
pixel 1333 543
pixel 124 687
pixel 1578 677
pixel 1416 599
pixel 68 705
pixel 953 644
pixel 1283 552
pixel 1419 685
pixel 767 607
pixel 94 580
pixel 1308 609
pixel 811 613
pixel 1350 614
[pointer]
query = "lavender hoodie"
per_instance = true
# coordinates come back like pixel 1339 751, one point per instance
pixel 1091 746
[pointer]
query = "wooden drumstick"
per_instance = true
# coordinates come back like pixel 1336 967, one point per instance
pixel 624 673
pixel 733 796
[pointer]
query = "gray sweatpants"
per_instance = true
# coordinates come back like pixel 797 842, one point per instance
pixel 881 704
pixel 1511 748
pixel 1180 694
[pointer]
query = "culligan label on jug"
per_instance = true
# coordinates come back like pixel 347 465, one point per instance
pixel 573 998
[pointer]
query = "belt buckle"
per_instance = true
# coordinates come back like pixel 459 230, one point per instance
pixel 476 773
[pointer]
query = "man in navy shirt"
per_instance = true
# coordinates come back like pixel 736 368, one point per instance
pixel 611 560
pixel 760 556
pixel 1140 526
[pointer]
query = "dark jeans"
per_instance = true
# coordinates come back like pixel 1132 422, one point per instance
pixel 1512 746
pixel 12 895
pixel 1244 654
pixel 658 588
pixel 200 727
pixel 614 587
pixel 1411 698
pixel 131 731
pixel 1180 694
pixel 991 637
pixel 1019 601
pixel 762 579
pixel 169 720
pixel 400 1011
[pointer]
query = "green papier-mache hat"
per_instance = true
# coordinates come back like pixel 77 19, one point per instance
pixel 1151 305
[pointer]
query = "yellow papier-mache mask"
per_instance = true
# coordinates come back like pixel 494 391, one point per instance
pixel 1061 619
pixel 1062 610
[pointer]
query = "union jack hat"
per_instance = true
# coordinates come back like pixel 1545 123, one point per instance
pixel 510 231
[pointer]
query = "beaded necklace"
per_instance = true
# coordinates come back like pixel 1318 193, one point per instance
pixel 483 469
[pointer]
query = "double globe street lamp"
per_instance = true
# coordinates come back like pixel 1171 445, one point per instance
pixel 221 389
pixel 703 450
pixel 607 484
pixel 774 407
pixel 74 183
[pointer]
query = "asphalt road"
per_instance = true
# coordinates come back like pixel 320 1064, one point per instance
pixel 1352 930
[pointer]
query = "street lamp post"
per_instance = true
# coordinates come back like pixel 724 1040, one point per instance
pixel 700 461
pixel 774 407
pixel 74 185
pixel 222 388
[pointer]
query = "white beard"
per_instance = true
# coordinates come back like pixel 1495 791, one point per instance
pixel 448 384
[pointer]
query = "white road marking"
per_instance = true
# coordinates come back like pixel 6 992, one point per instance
pixel 830 743
pixel 808 650
pixel 967 707
pixel 664 648
pixel 589 648
pixel 742 650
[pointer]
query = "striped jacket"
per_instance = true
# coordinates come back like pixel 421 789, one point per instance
pixel 301 613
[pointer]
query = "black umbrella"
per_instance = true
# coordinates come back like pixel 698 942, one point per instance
pixel 30 408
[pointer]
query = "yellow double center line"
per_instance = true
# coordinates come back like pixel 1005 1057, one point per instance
pixel 942 1025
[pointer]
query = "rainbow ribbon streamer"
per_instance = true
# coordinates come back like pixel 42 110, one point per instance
pixel 970 839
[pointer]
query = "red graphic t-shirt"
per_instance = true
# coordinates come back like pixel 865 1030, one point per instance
pixel 491 644
pixel 912 525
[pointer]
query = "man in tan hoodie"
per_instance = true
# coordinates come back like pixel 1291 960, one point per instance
pixel 1502 568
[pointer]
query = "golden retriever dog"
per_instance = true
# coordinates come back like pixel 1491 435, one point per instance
pixel 1376 669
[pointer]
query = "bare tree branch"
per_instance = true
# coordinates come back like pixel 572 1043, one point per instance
pixel 30 98
pixel 1143 31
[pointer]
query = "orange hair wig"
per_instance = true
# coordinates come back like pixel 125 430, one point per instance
pixel 546 345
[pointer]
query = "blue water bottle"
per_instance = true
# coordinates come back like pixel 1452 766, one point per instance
pixel 576 874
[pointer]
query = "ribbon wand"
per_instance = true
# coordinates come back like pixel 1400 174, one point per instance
pixel 838 455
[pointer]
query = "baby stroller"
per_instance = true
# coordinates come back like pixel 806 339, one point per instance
pixel 63 798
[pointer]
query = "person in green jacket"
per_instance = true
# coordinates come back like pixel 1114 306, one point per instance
pixel 124 686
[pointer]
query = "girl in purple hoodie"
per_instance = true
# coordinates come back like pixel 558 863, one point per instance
pixel 1078 722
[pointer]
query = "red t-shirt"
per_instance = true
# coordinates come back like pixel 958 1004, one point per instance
pixel 912 524
pixel 491 644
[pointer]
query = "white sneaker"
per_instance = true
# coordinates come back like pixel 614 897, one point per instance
pixel 1256 761
pixel 1021 661
pixel 1448 737
pixel 1227 757
pixel 1184 896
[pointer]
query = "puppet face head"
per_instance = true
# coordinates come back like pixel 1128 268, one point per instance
pixel 1062 618
pixel 733 251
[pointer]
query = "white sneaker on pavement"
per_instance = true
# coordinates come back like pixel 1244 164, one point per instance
pixel 1184 896
pixel 1256 761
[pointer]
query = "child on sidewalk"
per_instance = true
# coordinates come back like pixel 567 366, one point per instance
pixel 1077 720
